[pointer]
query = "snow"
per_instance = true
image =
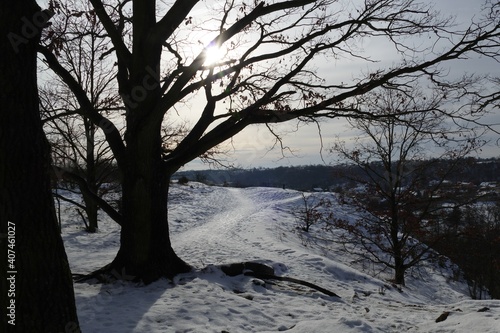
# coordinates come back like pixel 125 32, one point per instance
pixel 211 226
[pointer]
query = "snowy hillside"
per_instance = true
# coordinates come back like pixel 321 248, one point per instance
pixel 211 226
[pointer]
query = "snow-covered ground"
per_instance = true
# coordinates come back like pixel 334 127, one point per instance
pixel 211 226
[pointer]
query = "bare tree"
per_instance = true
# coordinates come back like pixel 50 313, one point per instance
pixel 267 76
pixel 77 38
pixel 313 211
pixel 397 220
pixel 78 148
pixel 36 287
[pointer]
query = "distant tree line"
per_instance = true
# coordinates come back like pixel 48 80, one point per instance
pixel 331 177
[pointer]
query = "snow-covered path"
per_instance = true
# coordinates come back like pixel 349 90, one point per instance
pixel 245 227
pixel 219 239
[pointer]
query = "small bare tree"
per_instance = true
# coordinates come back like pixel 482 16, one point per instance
pixel 77 146
pixel 313 211
pixel 397 147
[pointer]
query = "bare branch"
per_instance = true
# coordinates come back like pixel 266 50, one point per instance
pixel 122 51
pixel 70 176
pixel 110 131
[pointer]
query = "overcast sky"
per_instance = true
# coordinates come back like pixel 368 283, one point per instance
pixel 251 148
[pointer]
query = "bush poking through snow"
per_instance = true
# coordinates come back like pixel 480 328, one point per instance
pixel 313 211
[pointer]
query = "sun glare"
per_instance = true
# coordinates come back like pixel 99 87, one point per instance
pixel 213 55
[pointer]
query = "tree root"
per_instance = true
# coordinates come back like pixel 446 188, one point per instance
pixel 102 275
pixel 107 274
pixel 262 271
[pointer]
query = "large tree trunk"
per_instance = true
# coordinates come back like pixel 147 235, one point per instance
pixel 145 250
pixel 39 293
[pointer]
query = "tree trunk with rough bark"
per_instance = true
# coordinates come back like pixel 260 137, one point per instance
pixel 39 293
pixel 145 250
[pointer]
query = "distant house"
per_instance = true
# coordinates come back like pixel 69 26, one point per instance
pixel 488 185
pixel 489 190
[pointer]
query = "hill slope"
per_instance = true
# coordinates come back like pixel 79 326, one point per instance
pixel 214 225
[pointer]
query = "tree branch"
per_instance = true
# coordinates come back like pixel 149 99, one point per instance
pixel 70 176
pixel 110 131
pixel 172 19
pixel 122 52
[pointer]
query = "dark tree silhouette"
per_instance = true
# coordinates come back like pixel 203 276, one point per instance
pixel 40 285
